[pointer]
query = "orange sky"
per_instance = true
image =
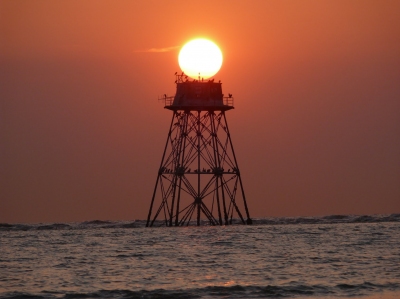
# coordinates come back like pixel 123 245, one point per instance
pixel 316 123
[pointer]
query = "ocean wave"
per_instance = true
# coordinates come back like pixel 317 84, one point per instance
pixel 235 291
pixel 331 219
pixel 53 226
pixel 96 222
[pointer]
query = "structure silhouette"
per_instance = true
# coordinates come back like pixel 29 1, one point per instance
pixel 198 181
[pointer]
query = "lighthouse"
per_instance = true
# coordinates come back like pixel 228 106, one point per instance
pixel 198 180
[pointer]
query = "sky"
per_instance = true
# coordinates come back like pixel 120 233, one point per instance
pixel 315 128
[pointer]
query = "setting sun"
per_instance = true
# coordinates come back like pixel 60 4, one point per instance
pixel 200 58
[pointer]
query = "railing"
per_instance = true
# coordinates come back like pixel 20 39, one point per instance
pixel 228 101
pixel 167 100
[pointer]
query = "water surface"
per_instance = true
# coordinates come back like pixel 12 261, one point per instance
pixel 325 257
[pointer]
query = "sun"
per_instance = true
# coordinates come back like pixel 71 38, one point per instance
pixel 200 58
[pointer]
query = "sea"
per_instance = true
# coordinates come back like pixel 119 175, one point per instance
pixel 337 256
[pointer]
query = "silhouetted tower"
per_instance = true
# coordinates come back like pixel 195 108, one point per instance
pixel 199 179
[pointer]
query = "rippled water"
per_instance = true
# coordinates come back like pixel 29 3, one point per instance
pixel 126 260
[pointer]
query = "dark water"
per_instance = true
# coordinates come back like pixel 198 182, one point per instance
pixel 314 257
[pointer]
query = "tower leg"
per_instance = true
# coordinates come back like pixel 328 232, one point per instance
pixel 249 221
pixel 198 173
pixel 160 171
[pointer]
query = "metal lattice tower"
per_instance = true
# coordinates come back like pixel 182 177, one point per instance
pixel 199 179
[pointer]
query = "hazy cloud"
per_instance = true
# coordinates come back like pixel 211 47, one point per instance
pixel 159 50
